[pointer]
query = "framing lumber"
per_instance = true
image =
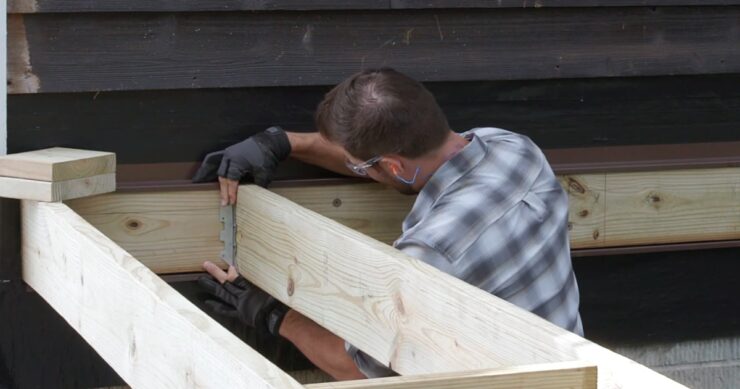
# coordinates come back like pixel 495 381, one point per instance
pixel 575 375
pixel 19 188
pixel 174 231
pixel 406 314
pixel 57 164
pixel 673 206
pixel 170 232
pixel 150 334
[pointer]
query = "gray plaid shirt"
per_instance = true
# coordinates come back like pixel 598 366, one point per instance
pixel 496 217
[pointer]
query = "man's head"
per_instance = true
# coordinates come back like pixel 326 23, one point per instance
pixel 383 113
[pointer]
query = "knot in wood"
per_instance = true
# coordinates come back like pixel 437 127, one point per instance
pixel 133 224
pixel 337 203
pixel 596 234
pixel 576 186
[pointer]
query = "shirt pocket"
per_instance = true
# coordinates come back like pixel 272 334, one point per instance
pixel 537 207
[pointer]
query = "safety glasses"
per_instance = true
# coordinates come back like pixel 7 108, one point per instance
pixel 361 168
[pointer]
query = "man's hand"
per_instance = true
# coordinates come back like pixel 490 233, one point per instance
pixel 257 156
pixel 239 298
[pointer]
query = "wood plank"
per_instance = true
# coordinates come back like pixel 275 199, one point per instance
pixel 399 310
pixel 134 320
pixel 175 231
pixel 42 6
pixel 19 188
pixel 552 3
pixel 672 206
pixel 57 164
pixel 543 376
pixel 586 197
pixel 170 232
pixel 373 209
pixel 574 113
pixel 306 48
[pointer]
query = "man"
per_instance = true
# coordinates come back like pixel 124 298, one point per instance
pixel 489 209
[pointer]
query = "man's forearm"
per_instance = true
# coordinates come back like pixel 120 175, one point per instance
pixel 314 149
pixel 320 346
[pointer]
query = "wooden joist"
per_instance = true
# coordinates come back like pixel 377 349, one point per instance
pixel 399 310
pixel 170 232
pixel 151 335
pixel 574 375
pixel 175 231
pixel 57 174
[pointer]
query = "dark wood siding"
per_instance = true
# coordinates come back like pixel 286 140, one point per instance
pixel 142 51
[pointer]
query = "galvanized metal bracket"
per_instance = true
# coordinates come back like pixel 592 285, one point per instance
pixel 227 214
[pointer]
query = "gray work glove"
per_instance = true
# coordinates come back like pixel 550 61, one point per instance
pixel 243 300
pixel 258 156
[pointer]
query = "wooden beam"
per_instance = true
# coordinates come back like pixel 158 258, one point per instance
pixel 19 188
pixel 574 375
pixel 174 231
pixel 323 48
pixel 57 164
pixel 150 334
pixel 170 232
pixel 399 310
pixel 672 206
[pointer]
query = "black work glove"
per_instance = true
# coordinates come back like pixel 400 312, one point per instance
pixel 243 300
pixel 258 155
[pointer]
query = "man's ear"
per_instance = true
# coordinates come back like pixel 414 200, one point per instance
pixel 393 165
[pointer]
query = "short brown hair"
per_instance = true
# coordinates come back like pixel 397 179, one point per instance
pixel 381 111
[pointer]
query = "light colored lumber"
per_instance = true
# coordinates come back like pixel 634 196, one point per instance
pixel 57 164
pixel 573 375
pixel 148 333
pixel 672 206
pixel 370 208
pixel 20 188
pixel 586 196
pixel 169 232
pixel 404 313
pixel 175 231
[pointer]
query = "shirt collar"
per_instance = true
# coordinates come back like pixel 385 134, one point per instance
pixel 457 166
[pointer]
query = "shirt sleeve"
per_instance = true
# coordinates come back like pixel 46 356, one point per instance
pixel 427 254
pixel 368 365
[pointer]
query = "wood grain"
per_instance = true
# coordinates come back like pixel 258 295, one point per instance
pixel 399 310
pixel 176 231
pixel 19 188
pixel 150 334
pixel 57 164
pixel 370 208
pixel 574 375
pixel 672 206
pixel 170 232
pixel 41 6
pixel 587 114
pixel 586 219
pixel 151 50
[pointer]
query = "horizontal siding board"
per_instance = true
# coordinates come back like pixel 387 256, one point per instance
pixel 42 6
pixel 103 52
pixel 182 125
pixel 551 3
